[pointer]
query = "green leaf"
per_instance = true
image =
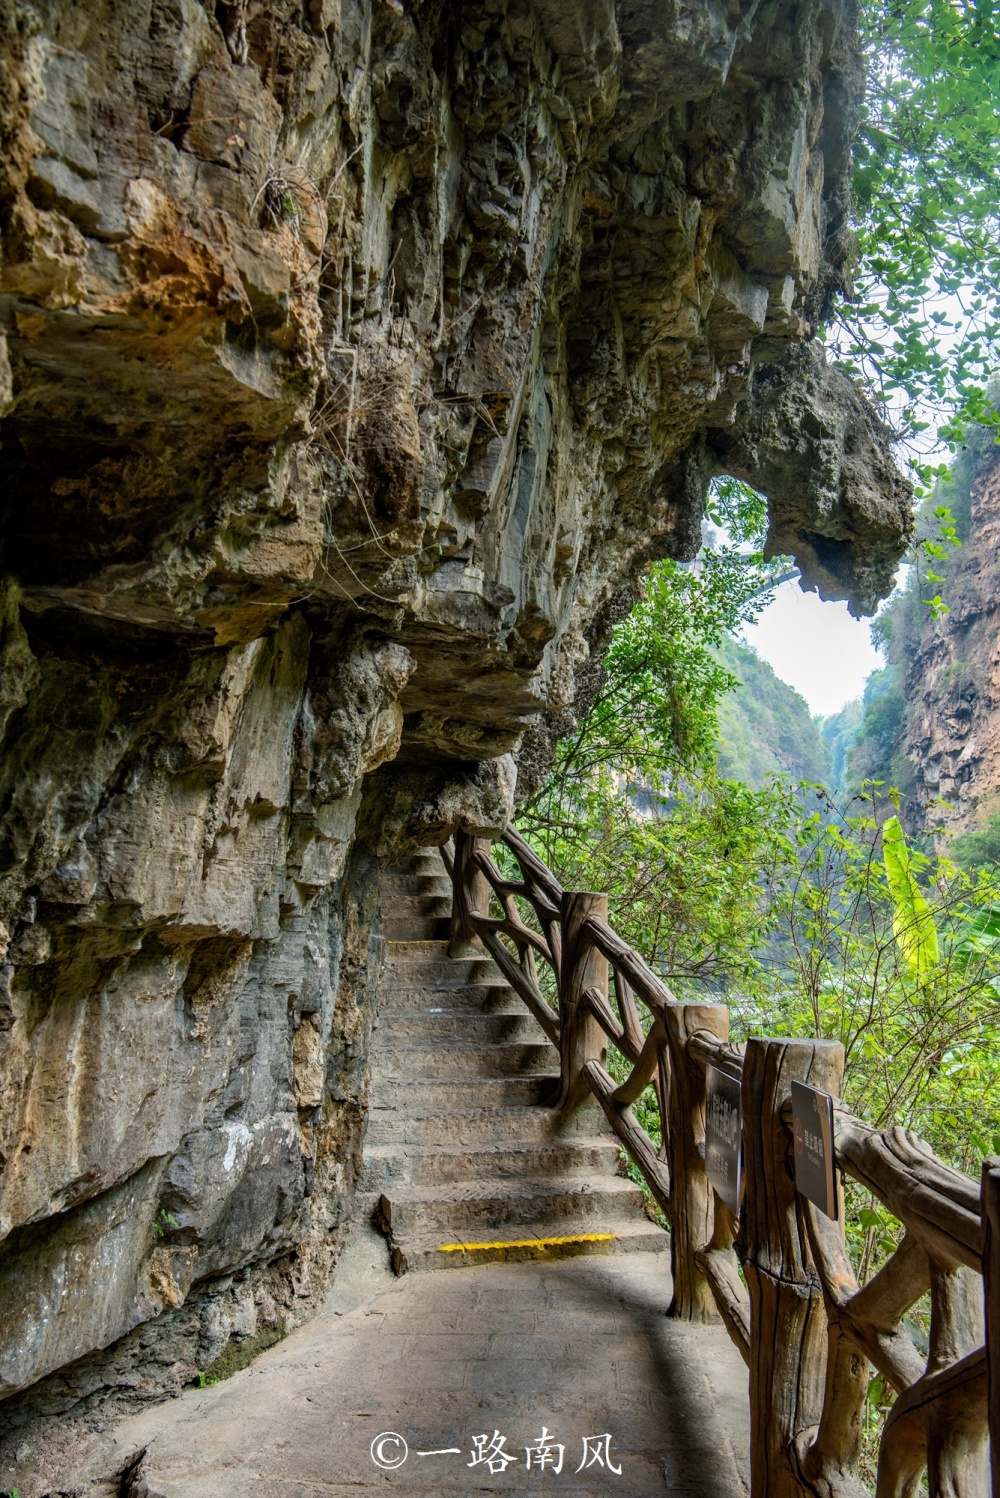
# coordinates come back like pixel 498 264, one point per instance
pixel 912 923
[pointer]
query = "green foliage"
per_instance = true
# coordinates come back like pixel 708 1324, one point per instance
pixel 973 850
pixel 741 512
pixel 164 1222
pixel 677 873
pixel 655 715
pixel 925 324
pixel 634 804
pixel 809 918
pixel 765 727
pixel 956 490
pixel 867 734
pixel 912 922
pixel 852 958
pixel 662 679
pixel 884 705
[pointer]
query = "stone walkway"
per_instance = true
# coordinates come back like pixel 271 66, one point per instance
pixel 579 1346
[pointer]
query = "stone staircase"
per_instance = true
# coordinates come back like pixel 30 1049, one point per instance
pixel 464 1162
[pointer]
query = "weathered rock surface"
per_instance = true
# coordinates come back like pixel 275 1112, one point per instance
pixel 951 681
pixel 357 356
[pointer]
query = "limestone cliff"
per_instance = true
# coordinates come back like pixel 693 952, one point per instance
pixel 358 355
pixel 948 736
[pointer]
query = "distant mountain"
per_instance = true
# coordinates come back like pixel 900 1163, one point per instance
pixel 765 726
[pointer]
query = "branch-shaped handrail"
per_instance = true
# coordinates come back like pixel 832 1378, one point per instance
pixel 780 1278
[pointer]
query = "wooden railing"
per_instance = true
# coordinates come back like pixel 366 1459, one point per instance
pixel 780 1276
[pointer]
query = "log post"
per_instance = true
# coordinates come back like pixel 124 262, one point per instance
pixel 956 1443
pixel 692 1199
pixel 991 1287
pixel 830 1462
pixel 788 1323
pixel 470 893
pixel 583 967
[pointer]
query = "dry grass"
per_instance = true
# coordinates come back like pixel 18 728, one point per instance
pixel 286 196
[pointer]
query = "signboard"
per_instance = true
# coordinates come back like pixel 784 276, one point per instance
pixel 724 1135
pixel 815 1162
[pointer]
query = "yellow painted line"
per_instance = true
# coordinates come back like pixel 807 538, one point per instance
pixel 456 1248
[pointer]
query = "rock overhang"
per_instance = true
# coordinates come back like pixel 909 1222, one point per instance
pixel 357 365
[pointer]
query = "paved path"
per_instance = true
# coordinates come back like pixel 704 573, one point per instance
pixel 579 1346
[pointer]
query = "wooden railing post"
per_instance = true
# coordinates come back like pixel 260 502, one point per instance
pixel 788 1322
pixel 583 967
pixel 470 892
pixel 991 1289
pixel 692 1201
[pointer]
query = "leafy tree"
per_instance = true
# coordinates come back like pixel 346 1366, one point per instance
pixel 687 876
pixel 654 717
pixel 924 327
pixel 634 805
pixel 875 756
pixel 974 850
pixel 809 918
pixel 895 953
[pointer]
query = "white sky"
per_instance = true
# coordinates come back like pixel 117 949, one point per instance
pixel 816 647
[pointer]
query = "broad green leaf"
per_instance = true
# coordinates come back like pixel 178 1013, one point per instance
pixel 912 922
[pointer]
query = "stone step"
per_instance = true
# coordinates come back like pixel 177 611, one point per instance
pixel 473 998
pixel 465 1158
pixel 436 973
pixel 441 1026
pixel 415 927
pixel 419 858
pixel 389 1167
pixel 545 1240
pixel 416 918
pixel 428 886
pixel 449 1061
pixel 419 866
pixel 481 1208
pixel 424 950
pixel 442 1096
pixel 408 903
pixel 524 1125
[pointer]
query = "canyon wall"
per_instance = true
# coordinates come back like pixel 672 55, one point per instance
pixel 948 667
pixel 357 357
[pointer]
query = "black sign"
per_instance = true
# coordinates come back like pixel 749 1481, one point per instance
pixel 724 1135
pixel 815 1163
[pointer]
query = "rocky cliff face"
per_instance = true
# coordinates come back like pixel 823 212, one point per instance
pixel 951 728
pixel 358 355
